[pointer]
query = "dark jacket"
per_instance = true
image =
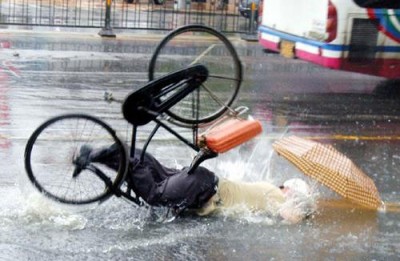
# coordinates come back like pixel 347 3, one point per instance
pixel 162 186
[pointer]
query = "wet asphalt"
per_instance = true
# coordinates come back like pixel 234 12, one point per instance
pixel 46 73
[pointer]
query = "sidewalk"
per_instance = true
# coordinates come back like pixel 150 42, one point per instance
pixel 87 33
pixel 52 31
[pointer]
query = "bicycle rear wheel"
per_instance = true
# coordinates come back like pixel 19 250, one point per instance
pixel 51 153
pixel 193 44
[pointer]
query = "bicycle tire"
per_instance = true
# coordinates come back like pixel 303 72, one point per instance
pixel 49 155
pixel 221 60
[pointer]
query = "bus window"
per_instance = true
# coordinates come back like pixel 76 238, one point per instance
pixel 337 34
pixel 387 4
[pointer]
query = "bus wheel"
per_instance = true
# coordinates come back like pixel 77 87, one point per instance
pixel 388 89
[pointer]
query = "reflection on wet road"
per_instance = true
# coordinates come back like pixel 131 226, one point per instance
pixel 51 74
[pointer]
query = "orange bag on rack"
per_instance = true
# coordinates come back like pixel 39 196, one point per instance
pixel 230 134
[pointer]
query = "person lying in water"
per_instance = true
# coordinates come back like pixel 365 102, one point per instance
pixel 203 191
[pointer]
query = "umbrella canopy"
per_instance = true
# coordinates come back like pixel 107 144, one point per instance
pixel 331 168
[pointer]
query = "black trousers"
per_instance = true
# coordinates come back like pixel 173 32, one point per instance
pixel 162 186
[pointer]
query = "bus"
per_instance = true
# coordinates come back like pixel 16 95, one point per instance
pixel 352 35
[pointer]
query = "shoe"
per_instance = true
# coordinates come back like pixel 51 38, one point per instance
pixel 82 160
pixel 108 156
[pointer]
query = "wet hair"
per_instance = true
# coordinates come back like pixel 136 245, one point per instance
pixel 300 200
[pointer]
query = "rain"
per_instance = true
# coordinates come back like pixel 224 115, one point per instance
pixel 47 74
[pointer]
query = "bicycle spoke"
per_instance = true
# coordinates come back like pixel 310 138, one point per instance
pixel 216 99
pixel 223 77
pixel 203 54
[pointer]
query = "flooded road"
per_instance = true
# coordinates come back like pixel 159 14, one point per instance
pixel 44 75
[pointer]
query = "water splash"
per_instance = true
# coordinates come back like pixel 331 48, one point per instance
pixel 38 210
pixel 253 162
pixel 249 162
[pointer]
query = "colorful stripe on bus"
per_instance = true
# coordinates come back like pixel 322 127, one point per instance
pixel 332 55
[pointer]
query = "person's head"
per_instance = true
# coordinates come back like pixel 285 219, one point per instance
pixel 300 203
pixel 295 186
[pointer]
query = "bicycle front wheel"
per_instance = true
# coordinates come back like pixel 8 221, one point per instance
pixel 51 153
pixel 194 44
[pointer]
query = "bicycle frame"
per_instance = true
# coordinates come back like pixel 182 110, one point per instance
pixel 150 102
pixel 154 99
pixel 184 98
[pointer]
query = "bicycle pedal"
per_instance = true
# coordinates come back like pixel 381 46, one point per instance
pixel 108 97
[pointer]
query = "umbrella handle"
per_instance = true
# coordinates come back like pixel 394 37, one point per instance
pixel 346 204
pixel 338 203
pixel 391 207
